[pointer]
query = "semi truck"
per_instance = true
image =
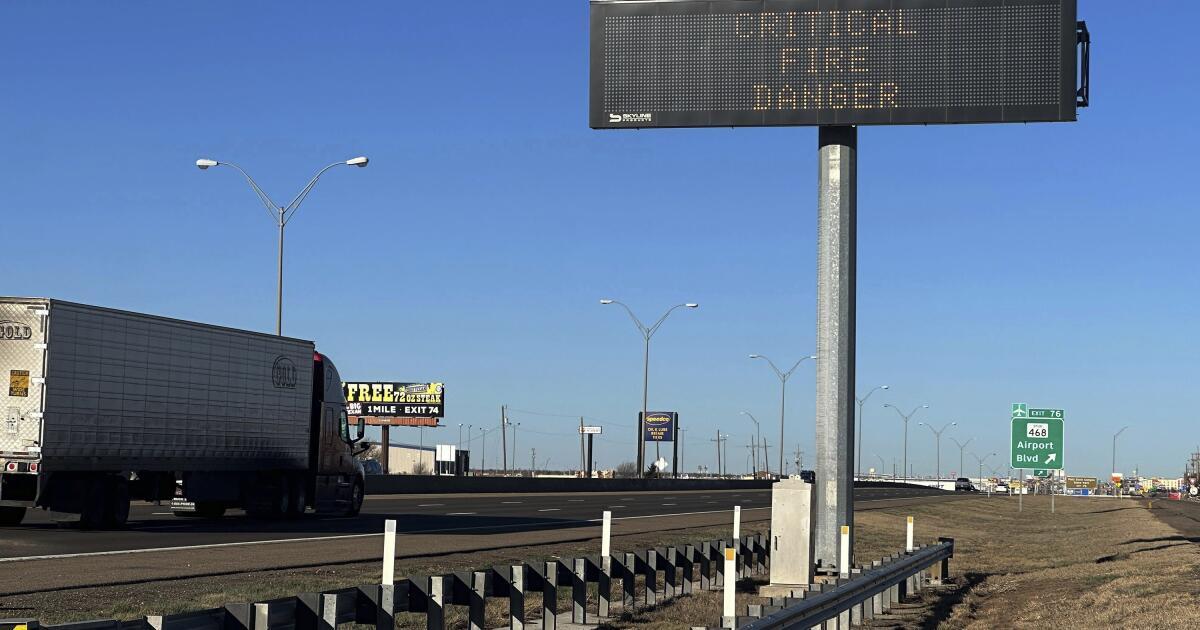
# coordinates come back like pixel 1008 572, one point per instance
pixel 99 407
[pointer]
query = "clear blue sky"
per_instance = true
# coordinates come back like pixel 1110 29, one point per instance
pixel 1053 263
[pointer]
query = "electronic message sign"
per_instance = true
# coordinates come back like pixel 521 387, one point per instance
pixel 721 63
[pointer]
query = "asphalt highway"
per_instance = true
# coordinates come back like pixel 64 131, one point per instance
pixel 154 528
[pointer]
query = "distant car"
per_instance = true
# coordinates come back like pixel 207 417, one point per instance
pixel 372 467
pixel 962 484
pixel 1002 487
pixel 809 476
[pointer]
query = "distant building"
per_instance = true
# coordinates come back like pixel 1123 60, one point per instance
pixel 403 459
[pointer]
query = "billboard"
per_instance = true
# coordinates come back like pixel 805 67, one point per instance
pixel 732 63
pixel 660 426
pixel 395 400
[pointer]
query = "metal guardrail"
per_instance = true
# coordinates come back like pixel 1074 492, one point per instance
pixel 869 591
pixel 667 572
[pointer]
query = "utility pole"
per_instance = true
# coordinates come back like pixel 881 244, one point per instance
pixel 682 446
pixel 583 450
pixel 532 461
pixel 483 447
pixel 767 458
pixel 718 442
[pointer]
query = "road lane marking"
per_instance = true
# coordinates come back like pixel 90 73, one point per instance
pixel 460 514
pixel 251 543
pixel 668 504
pixel 430 504
pixel 549 510
pixel 510 502
pixel 574 500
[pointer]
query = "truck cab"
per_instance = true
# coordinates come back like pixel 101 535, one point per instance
pixel 338 476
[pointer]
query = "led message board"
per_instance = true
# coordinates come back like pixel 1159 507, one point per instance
pixel 721 63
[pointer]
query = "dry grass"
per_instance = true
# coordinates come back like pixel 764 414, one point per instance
pixel 1096 563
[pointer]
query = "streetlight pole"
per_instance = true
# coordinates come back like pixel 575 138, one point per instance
pixel 861 402
pixel 783 378
pixel 938 433
pixel 647 333
pixel 882 464
pixel 460 425
pixel 1114 452
pixel 980 462
pixel 906 419
pixel 961 446
pixel 281 215
pixel 757 440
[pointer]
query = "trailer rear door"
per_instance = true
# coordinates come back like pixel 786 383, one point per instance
pixel 22 376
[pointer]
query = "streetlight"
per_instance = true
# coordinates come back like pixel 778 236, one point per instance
pixel 961 446
pixel 861 401
pixel 460 425
pixel 647 333
pixel 980 462
pixel 906 418
pixel 280 214
pixel 783 377
pixel 938 433
pixel 1114 453
pixel 882 465
pixel 757 439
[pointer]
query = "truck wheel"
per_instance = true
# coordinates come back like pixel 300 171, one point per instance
pixel 116 513
pixel 356 499
pixel 273 501
pixel 11 515
pixel 95 504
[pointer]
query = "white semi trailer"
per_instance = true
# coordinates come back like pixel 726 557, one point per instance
pixel 100 406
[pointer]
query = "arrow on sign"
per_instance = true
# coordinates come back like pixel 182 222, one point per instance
pixel 1051 457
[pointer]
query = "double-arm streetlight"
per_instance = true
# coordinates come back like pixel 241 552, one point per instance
pixel 280 214
pixel 980 461
pixel 647 333
pixel 961 447
pixel 758 440
pixel 861 402
pixel 783 378
pixel 906 419
pixel 938 433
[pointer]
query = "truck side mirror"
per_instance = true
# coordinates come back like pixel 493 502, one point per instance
pixel 362 429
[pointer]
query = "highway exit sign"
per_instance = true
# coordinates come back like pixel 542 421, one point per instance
pixel 1037 438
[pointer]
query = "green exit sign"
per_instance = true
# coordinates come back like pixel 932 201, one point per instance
pixel 1037 438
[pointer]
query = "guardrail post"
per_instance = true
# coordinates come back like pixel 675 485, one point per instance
pixel 550 596
pixel 651 577
pixel 604 587
pixel 858 612
pixel 329 612
pixel 478 600
pixel 719 578
pixel 516 597
pixel 670 586
pixel 877 602
pixel 629 583
pixel 687 559
pixel 704 556
pixel 435 615
pixel 941 570
pixel 579 591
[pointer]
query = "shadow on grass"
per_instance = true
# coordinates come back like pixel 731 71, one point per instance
pixel 1194 539
pixel 1124 555
pixel 943 606
pixel 1113 510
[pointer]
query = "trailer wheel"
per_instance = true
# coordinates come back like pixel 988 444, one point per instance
pixel 116 513
pixel 11 515
pixel 95 504
pixel 356 498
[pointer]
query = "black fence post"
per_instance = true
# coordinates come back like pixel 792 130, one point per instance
pixel 670 586
pixel 705 553
pixel 719 561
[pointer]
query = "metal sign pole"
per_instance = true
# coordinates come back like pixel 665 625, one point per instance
pixel 837 206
